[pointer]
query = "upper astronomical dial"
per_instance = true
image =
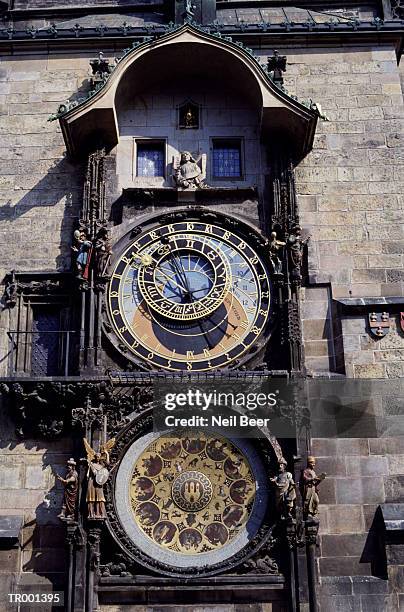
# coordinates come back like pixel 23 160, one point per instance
pixel 183 277
pixel 189 296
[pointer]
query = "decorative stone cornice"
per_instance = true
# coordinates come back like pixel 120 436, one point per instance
pixel 55 32
pixel 48 409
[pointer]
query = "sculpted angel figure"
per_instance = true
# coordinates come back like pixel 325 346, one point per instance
pixel 187 173
pixel 97 476
pixel 285 490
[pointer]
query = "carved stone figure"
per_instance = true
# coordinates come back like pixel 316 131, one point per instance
pixel 103 252
pixel 309 482
pixel 262 563
pixel 95 490
pixel 71 486
pixel 285 490
pixel 101 69
pixel 296 244
pixel 316 107
pixel 277 65
pixel 189 118
pixel 397 9
pixel 117 567
pixel 83 248
pixel 189 10
pixel 274 246
pixel 97 476
pixel 10 292
pixel 187 173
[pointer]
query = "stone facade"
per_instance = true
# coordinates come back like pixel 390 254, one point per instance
pixel 350 195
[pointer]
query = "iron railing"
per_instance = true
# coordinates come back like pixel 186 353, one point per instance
pixel 43 353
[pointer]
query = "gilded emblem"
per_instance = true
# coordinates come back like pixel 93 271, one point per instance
pixel 192 491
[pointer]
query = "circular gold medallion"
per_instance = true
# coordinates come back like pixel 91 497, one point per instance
pixel 192 491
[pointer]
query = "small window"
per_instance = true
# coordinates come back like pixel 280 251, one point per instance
pixel 227 159
pixel 45 341
pixel 150 159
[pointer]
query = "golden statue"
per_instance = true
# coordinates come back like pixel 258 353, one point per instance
pixel 97 476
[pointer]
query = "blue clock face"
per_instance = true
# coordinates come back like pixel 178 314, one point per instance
pixel 189 296
pixel 185 278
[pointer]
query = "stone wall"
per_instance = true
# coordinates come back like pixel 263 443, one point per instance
pixel 343 343
pixel 28 488
pixel 350 195
pixel 361 474
pixel 40 190
pixel 350 186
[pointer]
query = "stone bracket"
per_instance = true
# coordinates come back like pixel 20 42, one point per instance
pixel 357 306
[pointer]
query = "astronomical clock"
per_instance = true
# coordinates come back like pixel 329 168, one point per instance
pixel 169 283
pixel 190 291
pixel 192 295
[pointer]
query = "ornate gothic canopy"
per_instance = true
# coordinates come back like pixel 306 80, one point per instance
pixel 183 53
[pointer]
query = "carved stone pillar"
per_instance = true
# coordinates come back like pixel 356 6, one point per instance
pixel 93 223
pixel 75 600
pixel 284 220
pixel 311 532
pixel 291 541
pixel 93 562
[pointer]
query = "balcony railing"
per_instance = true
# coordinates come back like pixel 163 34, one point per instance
pixel 43 353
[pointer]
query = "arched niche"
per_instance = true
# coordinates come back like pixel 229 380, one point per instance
pixel 190 54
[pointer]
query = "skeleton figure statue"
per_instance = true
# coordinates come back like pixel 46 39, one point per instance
pixel 296 245
pixel 97 476
pixel 103 252
pixel 274 247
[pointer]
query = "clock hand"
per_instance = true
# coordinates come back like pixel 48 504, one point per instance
pixel 177 263
pixel 147 260
pixel 205 333
pixel 182 274
pixel 172 280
